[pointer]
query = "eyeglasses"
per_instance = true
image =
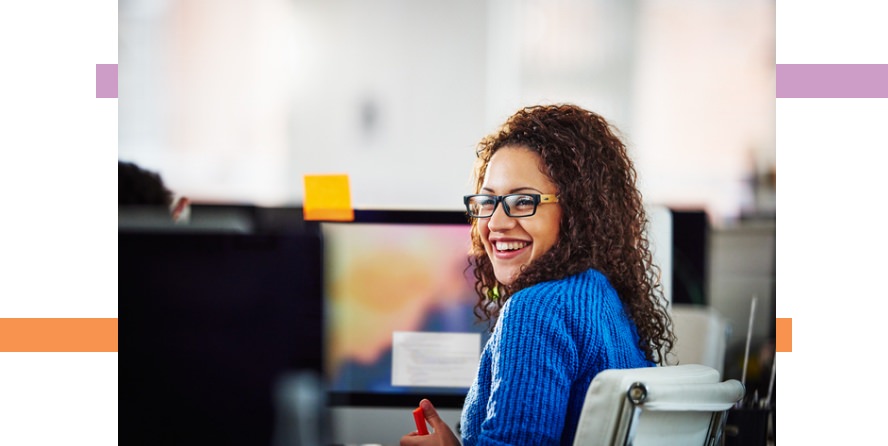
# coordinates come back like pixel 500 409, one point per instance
pixel 515 205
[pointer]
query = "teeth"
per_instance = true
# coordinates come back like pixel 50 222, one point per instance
pixel 510 246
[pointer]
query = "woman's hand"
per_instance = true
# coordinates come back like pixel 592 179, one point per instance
pixel 441 436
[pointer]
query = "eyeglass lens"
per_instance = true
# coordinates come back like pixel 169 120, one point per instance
pixel 517 205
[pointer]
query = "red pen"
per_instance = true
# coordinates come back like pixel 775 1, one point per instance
pixel 419 418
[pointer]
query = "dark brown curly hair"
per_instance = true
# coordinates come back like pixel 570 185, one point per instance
pixel 603 219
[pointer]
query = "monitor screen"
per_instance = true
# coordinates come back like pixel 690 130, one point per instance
pixel 214 325
pixel 399 297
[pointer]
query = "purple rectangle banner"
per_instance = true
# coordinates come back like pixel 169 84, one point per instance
pixel 832 81
pixel 106 80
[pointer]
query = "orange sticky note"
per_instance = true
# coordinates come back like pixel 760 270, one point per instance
pixel 327 197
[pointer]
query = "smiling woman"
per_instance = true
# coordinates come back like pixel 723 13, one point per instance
pixel 563 269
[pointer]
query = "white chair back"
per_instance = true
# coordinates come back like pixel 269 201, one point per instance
pixel 669 405
pixel 701 336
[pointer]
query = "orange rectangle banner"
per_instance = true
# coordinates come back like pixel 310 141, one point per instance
pixel 784 335
pixel 58 335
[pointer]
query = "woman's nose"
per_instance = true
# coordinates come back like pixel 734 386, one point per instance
pixel 499 221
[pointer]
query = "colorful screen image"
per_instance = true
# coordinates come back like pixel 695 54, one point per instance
pixel 399 308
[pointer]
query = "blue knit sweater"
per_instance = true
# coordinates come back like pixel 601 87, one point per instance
pixel 551 339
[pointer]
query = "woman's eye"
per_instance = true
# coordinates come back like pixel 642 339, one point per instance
pixel 524 202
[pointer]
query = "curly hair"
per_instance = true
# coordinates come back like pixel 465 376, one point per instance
pixel 603 218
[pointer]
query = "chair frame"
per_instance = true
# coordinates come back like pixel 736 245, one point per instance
pixel 636 397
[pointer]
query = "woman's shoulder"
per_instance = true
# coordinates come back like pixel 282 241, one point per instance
pixel 588 280
pixel 564 292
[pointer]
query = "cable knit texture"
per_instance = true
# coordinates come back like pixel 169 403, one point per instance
pixel 550 341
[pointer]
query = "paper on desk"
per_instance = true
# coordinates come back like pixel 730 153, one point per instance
pixel 434 359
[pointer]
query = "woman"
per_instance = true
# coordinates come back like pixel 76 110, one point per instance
pixel 562 264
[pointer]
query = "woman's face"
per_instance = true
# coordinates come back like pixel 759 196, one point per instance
pixel 511 242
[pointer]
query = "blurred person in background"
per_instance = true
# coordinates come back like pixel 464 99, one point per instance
pixel 139 187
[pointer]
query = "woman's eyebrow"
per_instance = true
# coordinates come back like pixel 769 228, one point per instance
pixel 516 190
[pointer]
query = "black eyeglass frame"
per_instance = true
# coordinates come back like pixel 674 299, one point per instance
pixel 538 199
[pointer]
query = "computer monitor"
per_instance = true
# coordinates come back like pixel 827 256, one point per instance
pixel 690 241
pixel 399 296
pixel 218 331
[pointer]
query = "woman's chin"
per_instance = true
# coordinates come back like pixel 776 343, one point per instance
pixel 507 277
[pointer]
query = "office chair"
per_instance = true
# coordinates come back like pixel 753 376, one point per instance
pixel 701 335
pixel 668 405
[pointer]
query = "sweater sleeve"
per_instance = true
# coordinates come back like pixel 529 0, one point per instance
pixel 531 372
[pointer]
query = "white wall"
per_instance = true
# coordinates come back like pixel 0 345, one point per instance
pixel 236 101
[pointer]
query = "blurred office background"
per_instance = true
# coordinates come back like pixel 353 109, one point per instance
pixel 233 101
